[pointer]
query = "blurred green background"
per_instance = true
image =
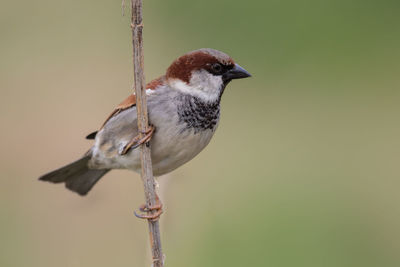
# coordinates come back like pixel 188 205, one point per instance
pixel 303 170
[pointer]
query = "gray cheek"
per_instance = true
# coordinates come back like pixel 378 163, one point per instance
pixel 206 82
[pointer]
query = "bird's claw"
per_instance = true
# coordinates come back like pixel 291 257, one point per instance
pixel 157 209
pixel 137 141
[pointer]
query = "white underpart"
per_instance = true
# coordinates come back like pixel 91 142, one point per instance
pixel 149 91
pixel 202 84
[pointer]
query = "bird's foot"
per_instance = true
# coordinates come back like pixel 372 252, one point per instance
pixel 137 141
pixel 153 212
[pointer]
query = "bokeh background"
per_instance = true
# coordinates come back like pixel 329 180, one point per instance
pixel 303 170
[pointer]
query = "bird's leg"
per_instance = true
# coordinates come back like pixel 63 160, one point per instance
pixel 137 141
pixel 157 209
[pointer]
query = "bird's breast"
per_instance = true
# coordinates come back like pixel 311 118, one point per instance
pixel 178 137
pixel 197 114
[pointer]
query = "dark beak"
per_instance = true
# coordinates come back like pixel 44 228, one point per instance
pixel 236 73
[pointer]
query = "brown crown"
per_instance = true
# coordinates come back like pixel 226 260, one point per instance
pixel 203 58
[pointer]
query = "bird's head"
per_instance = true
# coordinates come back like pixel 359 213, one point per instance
pixel 204 73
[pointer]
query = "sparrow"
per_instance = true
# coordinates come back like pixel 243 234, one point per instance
pixel 183 109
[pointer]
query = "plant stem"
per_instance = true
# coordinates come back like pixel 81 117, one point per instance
pixel 141 106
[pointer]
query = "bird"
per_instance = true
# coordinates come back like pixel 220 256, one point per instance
pixel 183 111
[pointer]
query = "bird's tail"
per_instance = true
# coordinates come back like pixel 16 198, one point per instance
pixel 77 176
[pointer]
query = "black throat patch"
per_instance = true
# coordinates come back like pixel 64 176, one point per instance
pixel 197 114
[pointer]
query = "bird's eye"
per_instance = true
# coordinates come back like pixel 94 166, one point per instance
pixel 217 68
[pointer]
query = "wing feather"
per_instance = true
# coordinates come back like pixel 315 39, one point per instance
pixel 129 102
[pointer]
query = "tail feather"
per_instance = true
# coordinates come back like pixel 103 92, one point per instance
pixel 77 176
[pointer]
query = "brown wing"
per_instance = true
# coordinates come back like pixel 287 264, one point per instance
pixel 129 102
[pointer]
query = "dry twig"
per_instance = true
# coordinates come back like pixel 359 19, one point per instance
pixel 141 106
